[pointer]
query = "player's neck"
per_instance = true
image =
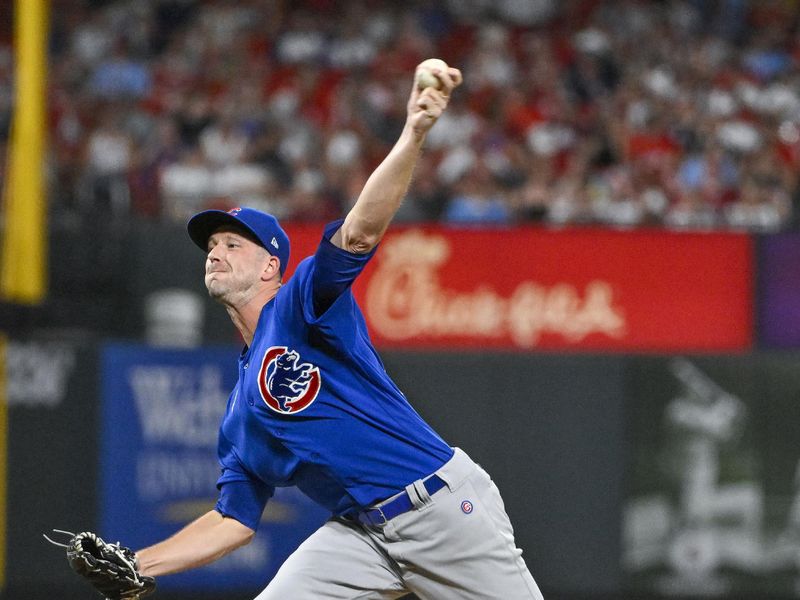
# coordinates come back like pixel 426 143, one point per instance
pixel 245 316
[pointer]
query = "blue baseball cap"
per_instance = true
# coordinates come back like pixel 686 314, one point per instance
pixel 265 228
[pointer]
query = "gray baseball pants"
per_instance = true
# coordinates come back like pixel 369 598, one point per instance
pixel 455 545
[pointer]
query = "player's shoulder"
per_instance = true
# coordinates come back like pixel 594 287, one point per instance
pixel 304 268
pixel 296 283
pixel 305 264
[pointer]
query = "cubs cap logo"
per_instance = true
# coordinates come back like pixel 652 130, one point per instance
pixel 466 507
pixel 286 384
pixel 235 211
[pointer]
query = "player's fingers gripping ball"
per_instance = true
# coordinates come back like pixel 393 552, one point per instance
pixel 110 568
pixel 435 74
pixel 434 80
pixel 425 75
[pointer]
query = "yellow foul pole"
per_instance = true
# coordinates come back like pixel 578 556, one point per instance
pixel 23 252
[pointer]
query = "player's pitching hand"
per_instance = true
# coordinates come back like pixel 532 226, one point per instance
pixel 426 105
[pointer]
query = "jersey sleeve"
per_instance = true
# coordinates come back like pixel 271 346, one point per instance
pixel 241 497
pixel 334 270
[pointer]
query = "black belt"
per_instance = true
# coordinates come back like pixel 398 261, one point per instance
pixel 379 516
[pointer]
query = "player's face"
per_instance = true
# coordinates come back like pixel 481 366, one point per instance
pixel 234 266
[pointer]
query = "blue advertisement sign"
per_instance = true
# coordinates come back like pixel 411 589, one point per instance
pixel 160 417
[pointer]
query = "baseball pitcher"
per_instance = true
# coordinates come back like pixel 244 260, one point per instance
pixel 314 408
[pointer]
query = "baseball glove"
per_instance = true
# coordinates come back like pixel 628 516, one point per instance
pixel 110 568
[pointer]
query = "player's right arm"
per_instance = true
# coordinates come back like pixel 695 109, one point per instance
pixel 202 541
pixel 357 236
pixel 378 202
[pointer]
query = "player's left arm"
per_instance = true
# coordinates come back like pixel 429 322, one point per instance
pixel 202 541
pixel 378 202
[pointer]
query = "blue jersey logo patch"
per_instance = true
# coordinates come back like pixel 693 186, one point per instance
pixel 287 385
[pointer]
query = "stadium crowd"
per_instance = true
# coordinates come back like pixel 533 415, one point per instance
pixel 683 114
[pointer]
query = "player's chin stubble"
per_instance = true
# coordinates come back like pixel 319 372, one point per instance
pixel 215 289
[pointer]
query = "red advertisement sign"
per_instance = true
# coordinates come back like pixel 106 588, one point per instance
pixel 530 288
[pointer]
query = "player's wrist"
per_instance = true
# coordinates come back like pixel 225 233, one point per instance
pixel 412 134
pixel 142 565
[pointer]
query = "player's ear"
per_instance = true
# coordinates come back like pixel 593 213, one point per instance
pixel 272 268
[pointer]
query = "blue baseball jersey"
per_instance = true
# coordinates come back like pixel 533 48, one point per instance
pixel 314 407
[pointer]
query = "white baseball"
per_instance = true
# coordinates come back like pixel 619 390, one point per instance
pixel 424 75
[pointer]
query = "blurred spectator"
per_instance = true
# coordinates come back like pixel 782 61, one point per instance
pixel 92 36
pixel 691 211
pixel 615 201
pixel 222 142
pixel 264 150
pixel 712 174
pixel 458 126
pixel 476 200
pixel 761 207
pixel 107 160
pixel 309 201
pixel 249 185
pixel 120 77
pixel 193 118
pixel 426 198
pixel 185 185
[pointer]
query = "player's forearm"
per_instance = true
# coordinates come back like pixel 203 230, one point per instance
pixel 205 540
pixel 378 202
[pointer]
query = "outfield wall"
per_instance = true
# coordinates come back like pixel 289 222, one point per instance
pixel 624 475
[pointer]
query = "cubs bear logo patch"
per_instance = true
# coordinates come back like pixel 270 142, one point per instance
pixel 286 384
